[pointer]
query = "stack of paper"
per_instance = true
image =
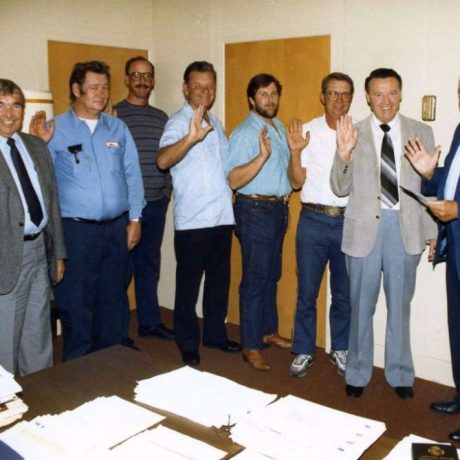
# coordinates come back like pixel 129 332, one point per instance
pixel 11 407
pixel 200 396
pixel 403 450
pixel 94 426
pixel 165 444
pixel 293 428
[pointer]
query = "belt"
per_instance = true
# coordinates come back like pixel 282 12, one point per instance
pixel 32 236
pixel 93 221
pixel 267 198
pixel 331 211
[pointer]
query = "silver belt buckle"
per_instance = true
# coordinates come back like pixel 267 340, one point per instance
pixel 332 211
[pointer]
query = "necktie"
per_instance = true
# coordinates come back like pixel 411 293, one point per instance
pixel 35 209
pixel 388 177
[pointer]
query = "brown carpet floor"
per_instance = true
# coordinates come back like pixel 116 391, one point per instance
pixel 321 385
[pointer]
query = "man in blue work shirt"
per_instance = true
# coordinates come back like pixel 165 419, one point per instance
pixel 194 146
pixel 257 170
pixel 101 194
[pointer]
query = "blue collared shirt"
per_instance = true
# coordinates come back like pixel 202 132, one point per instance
pixel 202 197
pixel 29 226
pixel 103 179
pixel 272 179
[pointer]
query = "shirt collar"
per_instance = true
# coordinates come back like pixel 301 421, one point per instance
pixel 76 120
pixel 3 140
pixel 393 124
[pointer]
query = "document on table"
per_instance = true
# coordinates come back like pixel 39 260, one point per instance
pixel 95 425
pixel 293 428
pixel 403 450
pixel 8 386
pixel 165 444
pixel 202 397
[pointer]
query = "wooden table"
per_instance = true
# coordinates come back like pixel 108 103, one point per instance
pixel 115 371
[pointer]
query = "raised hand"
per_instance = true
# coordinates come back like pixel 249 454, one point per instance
pixel 197 131
pixel 109 110
pixel 347 136
pixel 296 141
pixel 422 161
pixel 265 143
pixel 38 126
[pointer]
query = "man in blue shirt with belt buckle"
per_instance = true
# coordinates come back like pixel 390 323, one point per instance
pixel 257 170
pixel 102 197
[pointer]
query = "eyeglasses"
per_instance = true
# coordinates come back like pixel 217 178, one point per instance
pixel 335 96
pixel 147 76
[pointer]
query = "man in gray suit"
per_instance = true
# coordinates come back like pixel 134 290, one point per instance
pixel 29 208
pixel 385 229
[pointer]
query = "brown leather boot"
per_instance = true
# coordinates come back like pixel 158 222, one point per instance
pixel 277 340
pixel 255 359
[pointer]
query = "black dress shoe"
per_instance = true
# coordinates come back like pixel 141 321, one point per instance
pixel 404 392
pixel 129 342
pixel 455 436
pixel 228 346
pixel 191 358
pixel 447 407
pixel 160 331
pixel 353 392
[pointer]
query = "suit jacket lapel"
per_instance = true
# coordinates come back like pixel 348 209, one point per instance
pixel 367 138
pixel 6 177
pixel 447 164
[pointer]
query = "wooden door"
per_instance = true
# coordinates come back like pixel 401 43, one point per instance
pixel 300 64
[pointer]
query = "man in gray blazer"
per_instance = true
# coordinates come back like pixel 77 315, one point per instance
pixel 29 209
pixel 385 229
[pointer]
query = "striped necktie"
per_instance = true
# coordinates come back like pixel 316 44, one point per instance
pixel 388 176
pixel 30 195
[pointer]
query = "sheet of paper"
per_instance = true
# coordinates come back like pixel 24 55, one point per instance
pixel 95 425
pixel 205 398
pixel 8 386
pixel 416 195
pixel 293 428
pixel 165 444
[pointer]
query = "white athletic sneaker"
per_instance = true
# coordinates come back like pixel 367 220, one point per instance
pixel 339 359
pixel 300 365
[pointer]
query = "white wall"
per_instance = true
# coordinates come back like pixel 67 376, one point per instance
pixel 419 38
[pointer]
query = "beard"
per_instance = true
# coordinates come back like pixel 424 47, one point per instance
pixel 269 112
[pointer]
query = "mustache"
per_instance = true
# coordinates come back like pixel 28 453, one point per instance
pixel 142 85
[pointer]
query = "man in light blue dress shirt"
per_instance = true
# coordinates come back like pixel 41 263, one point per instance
pixel 102 197
pixel 257 170
pixel 195 148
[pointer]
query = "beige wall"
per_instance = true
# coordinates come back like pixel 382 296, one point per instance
pixel 419 38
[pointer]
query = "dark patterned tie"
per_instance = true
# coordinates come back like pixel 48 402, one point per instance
pixel 35 209
pixel 388 176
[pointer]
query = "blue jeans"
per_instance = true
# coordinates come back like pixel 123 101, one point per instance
pixel 318 241
pixel 145 260
pixel 260 228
